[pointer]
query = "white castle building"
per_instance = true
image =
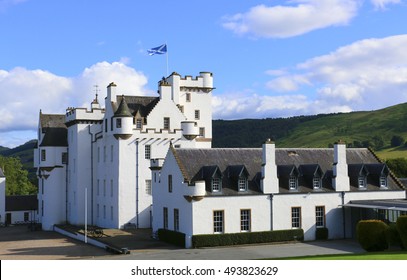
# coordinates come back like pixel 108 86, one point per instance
pixel 94 163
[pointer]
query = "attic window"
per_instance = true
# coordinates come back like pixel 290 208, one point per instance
pixel 383 181
pixel 216 185
pixel 292 183
pixel 362 182
pixel 242 184
pixel 316 183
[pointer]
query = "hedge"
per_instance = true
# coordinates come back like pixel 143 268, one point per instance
pixel 321 233
pixel 371 235
pixel 393 236
pixel 402 229
pixel 173 237
pixel 227 239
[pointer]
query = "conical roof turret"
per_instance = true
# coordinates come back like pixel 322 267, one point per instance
pixel 123 110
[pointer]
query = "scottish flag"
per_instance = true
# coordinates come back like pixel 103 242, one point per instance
pixel 158 50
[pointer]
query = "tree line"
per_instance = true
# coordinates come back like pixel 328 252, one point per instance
pixel 17 182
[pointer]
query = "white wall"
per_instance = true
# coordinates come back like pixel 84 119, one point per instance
pixel 2 199
pixel 17 217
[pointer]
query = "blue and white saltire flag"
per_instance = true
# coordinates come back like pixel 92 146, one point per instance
pixel 158 50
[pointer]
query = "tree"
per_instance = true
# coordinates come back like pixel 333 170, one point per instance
pixel 17 182
pixel 396 141
pixel 398 166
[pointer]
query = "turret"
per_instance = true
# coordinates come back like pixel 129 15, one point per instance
pixel 123 121
pixel 190 130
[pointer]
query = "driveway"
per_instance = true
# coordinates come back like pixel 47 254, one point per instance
pixel 19 243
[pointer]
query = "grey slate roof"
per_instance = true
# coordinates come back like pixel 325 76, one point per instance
pixel 123 110
pixel 1 173
pixel 138 104
pixel 305 161
pixel 21 202
pixel 55 130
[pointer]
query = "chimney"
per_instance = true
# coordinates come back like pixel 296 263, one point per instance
pixel 340 180
pixel 111 92
pixel 269 182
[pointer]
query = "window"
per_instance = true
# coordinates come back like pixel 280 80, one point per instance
pixel 97 211
pixel 43 155
pixel 292 183
pixel 148 187
pixel 104 187
pixel 320 216
pixel 170 183
pixel 105 125
pixel 216 185
pixel 111 188
pixel 42 207
pixel 147 151
pixel 26 216
pixel 197 114
pixel 139 123
pixel 165 217
pixel 104 154
pixel 64 158
pixel 242 184
pixel 176 220
pixel 98 188
pixel 218 221
pixel 188 97
pixel 316 183
pixel 104 211
pixel 296 217
pixel 202 131
pixel 98 154
pixel 118 123
pixel 111 213
pixel 383 182
pixel 111 153
pixel 245 220
pixel 362 182
pixel 166 123
pixel 181 108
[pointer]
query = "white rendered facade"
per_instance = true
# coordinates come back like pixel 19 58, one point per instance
pixel 109 150
pixel 193 207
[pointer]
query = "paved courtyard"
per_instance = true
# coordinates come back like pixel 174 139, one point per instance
pixel 19 243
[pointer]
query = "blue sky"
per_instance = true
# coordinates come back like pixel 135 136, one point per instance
pixel 269 58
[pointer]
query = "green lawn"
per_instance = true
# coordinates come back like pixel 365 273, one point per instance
pixel 390 153
pixel 366 256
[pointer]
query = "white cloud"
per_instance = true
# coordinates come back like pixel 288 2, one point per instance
pixel 4 4
pixel 367 74
pixel 381 4
pixel 292 20
pixel 25 92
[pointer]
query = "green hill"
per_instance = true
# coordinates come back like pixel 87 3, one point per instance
pixel 358 129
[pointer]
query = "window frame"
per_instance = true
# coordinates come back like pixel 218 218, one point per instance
pixel 166 123
pixel 242 184
pixel 320 218
pixel 296 217
pixel 218 184
pixel 218 221
pixel 245 220
pixel 176 219
pixel 316 183
pixel 170 183
pixel 147 151
pixel 197 114
pixel 148 187
pixel 165 217
pixel 292 182
pixel 383 181
pixel 362 179
pixel 43 155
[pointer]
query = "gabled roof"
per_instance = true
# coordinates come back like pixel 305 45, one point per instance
pixel 21 202
pixel 304 161
pixel 55 130
pixel 142 105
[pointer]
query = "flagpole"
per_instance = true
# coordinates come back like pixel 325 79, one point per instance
pixel 167 56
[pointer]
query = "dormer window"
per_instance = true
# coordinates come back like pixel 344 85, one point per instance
pixel 292 182
pixel 362 182
pixel 316 183
pixel 139 123
pixel 383 181
pixel 242 184
pixel 216 185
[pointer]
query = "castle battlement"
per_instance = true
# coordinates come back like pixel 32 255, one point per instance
pixel 83 114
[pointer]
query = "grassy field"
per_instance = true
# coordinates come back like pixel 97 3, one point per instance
pixel 390 153
pixel 398 255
